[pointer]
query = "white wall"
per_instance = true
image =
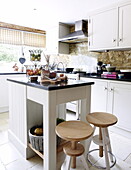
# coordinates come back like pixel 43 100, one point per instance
pixel 48 11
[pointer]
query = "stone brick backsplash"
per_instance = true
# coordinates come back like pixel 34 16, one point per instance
pixel 120 59
pixel 81 58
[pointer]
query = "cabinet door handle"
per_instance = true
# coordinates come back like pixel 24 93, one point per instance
pixel 111 89
pixel 114 40
pixel 105 88
pixel 120 39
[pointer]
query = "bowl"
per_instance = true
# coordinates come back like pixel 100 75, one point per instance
pixel 110 68
pixel 52 75
pixel 33 78
pixel 69 70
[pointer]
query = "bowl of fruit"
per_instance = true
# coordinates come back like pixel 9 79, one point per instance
pixel 32 72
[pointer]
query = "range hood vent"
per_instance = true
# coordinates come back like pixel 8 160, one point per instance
pixel 79 35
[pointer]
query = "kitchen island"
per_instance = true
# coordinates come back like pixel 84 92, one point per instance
pixel 35 103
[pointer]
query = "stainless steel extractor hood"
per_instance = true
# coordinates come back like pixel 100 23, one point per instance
pixel 79 35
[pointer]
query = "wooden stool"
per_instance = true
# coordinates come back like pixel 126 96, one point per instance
pixel 102 120
pixel 74 131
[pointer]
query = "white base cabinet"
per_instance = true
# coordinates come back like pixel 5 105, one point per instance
pixel 112 97
pixel 120 104
pixel 4 102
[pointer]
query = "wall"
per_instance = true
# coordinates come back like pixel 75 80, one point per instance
pixel 81 58
pixel 120 59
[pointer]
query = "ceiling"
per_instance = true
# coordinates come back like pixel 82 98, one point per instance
pixel 42 14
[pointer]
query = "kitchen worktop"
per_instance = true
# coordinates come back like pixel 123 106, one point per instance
pixel 94 75
pixel 11 73
pixel 49 86
pixel 106 78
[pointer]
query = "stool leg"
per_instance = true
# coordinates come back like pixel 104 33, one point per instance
pixel 84 162
pixel 109 145
pixel 105 149
pixel 73 158
pixel 100 147
pixel 66 164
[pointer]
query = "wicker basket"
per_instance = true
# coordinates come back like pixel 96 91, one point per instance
pixel 37 141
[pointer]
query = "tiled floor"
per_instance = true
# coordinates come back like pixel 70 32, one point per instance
pixel 10 158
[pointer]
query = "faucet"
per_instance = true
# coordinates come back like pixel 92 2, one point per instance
pixel 62 66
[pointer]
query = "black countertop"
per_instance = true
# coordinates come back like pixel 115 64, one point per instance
pixel 49 86
pixel 106 78
pixel 11 73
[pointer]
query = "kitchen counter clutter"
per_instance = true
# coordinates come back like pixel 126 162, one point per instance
pixel 34 103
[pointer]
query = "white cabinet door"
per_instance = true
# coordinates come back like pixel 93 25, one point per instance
pixel 52 40
pixel 125 26
pixel 3 93
pixel 53 34
pixel 4 103
pixel 112 97
pixel 99 94
pixel 120 94
pixel 103 30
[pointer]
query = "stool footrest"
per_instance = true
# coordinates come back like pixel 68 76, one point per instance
pixel 100 167
pixel 99 142
pixel 73 152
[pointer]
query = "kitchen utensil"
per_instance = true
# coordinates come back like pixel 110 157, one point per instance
pixel 110 68
pixel 22 60
pixel 69 70
pixel 120 76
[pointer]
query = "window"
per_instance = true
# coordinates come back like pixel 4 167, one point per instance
pixel 15 42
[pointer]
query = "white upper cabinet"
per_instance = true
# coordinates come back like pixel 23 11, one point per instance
pixel 110 29
pixel 102 31
pixel 125 26
pixel 53 34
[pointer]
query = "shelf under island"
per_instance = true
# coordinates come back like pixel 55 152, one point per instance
pixel 34 103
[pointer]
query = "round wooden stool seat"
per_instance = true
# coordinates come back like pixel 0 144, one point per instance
pixel 101 119
pixel 74 130
pixel 79 150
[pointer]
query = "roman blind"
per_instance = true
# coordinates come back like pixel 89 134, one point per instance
pixel 34 39
pixel 8 36
pixel 20 37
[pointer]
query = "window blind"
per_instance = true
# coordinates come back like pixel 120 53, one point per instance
pixel 8 36
pixel 34 39
pixel 16 37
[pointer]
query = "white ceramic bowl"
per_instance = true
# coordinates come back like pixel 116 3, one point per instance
pixel 110 68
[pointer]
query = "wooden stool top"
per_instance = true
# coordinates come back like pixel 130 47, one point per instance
pixel 101 119
pixel 74 130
